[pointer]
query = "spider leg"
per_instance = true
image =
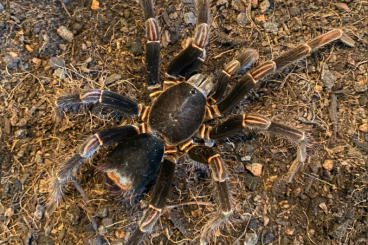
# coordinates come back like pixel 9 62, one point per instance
pixel 237 124
pixel 250 80
pixel 158 201
pixel 193 56
pixel 66 170
pixel 241 62
pixel 152 45
pixel 105 98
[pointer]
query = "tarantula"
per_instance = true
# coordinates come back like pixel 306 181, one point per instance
pixel 178 113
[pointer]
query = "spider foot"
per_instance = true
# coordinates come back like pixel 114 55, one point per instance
pixel 214 224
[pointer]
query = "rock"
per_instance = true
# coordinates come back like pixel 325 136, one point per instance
pixel 271 27
pixel 255 168
pixel 328 164
pixel 328 79
pixel 268 237
pixel 11 62
pixel 189 18
pixel 339 229
pixel 237 5
pixel 242 19
pixel 342 6
pixel 264 6
pixel 112 78
pixel 56 62
pixel 360 84
pixel 102 213
pixel 221 2
pixel 245 158
pixel 60 73
pixel 135 47
pixel 260 19
pixel 38 158
pixel 251 181
pixel 294 11
pixel 65 34
pixel 107 222
pixel 250 239
pixel 21 133
pixel 40 209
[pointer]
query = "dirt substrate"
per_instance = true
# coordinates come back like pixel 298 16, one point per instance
pixel 324 95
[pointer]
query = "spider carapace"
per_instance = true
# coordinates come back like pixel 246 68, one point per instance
pixel 179 112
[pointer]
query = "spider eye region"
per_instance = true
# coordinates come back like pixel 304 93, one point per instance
pixel 178 113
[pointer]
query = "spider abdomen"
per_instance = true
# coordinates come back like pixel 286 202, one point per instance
pixel 177 113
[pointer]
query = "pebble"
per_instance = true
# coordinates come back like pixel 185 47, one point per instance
pixel 65 34
pixel 360 84
pixel 251 181
pixel 271 27
pixel 328 164
pixel 294 11
pixel 40 209
pixel 112 78
pixel 268 237
pixel 328 79
pixel 189 18
pixel 107 222
pixel 264 6
pixel 135 47
pixel 342 6
pixel 56 62
pixel 221 2
pixel 242 19
pixel 250 239
pixel 245 158
pixel 339 229
pixel 21 133
pixel 260 19
pixel 60 73
pixel 11 62
pixel 38 158
pixel 102 213
pixel 255 168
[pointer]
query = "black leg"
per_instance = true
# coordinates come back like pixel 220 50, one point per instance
pixel 208 155
pixel 237 124
pixel 66 170
pixel 241 62
pixel 191 57
pixel 250 80
pixel 152 46
pixel 105 98
pixel 158 201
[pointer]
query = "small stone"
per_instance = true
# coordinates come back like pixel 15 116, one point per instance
pixel 21 133
pixel 290 231
pixel 40 209
pixel 11 62
pixel 318 88
pixel 119 234
pixel 9 212
pixel 323 206
pixel 60 73
pixel 339 230
pixel 107 222
pixel 29 48
pixel 112 78
pixel 221 2
pixel 189 18
pixel 102 213
pixel 264 6
pixel 328 79
pixel 245 158
pixel 342 6
pixel 294 11
pixel 38 158
pixel 260 19
pixel 102 230
pixel 328 164
pixel 254 4
pixel 363 128
pixel 284 204
pixel 56 62
pixel 255 169
pixel 268 238
pixel 363 100
pixel 62 46
pixel 65 34
pixel 250 239
pixel 360 84
pixel 36 61
pixel 251 181
pixel 135 47
pixel 271 27
pixel 242 19
pixel 20 154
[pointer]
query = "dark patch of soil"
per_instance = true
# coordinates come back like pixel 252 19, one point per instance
pixel 324 95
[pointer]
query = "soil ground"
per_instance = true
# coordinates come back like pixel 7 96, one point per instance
pixel 324 95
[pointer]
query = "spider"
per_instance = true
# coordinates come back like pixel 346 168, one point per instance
pixel 180 108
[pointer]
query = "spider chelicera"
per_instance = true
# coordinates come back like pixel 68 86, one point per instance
pixel 178 114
